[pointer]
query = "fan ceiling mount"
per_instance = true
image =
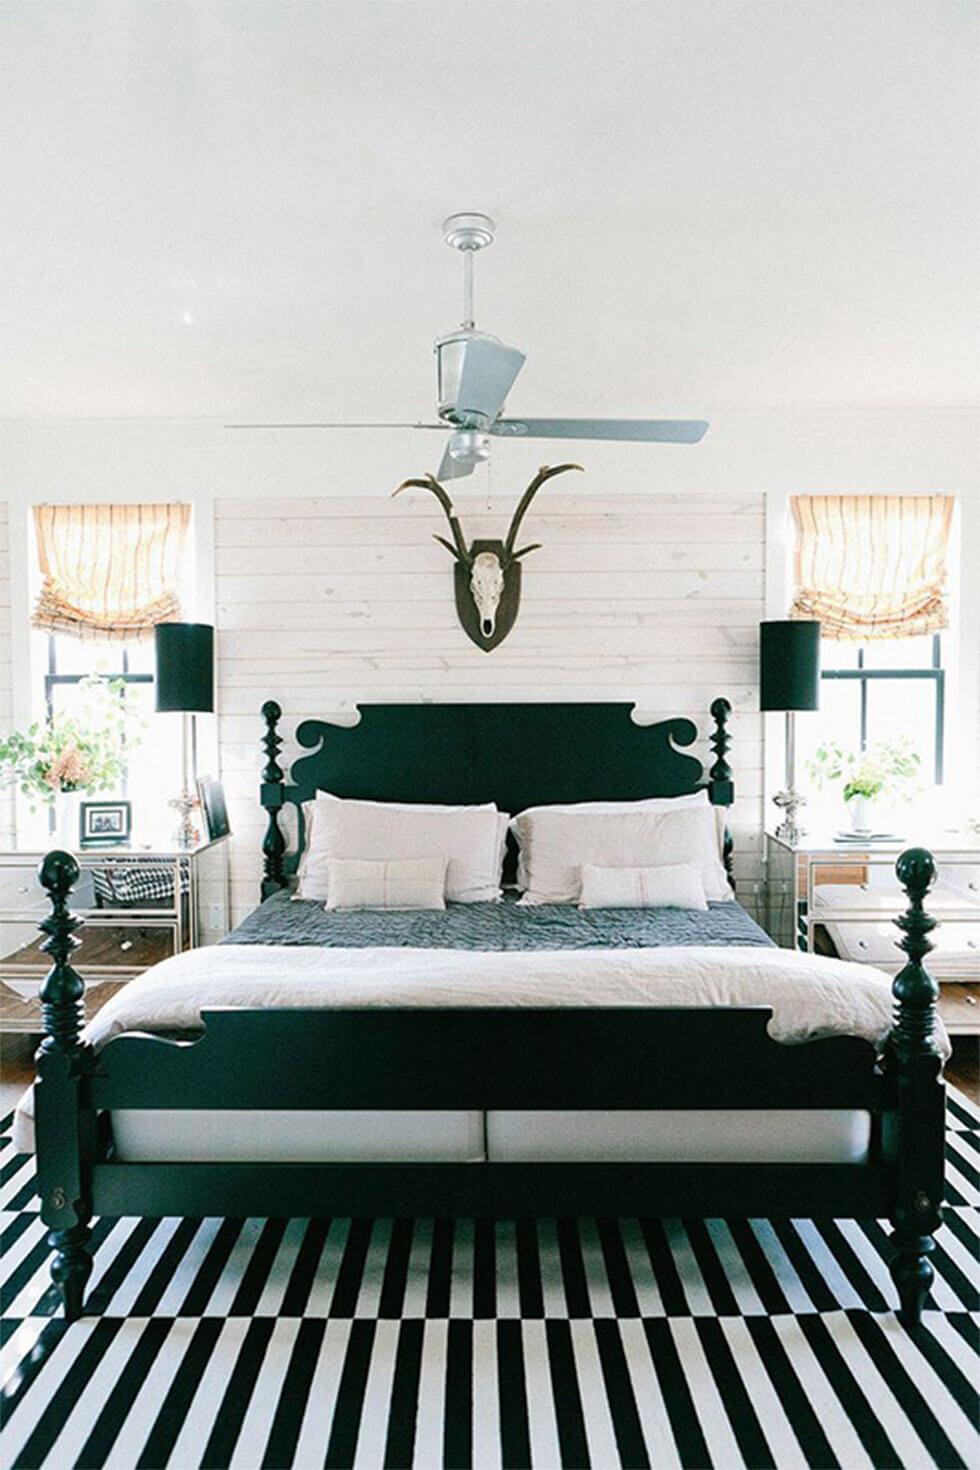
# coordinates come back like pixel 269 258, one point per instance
pixel 476 371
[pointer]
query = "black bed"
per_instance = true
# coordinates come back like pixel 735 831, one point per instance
pixel 646 1058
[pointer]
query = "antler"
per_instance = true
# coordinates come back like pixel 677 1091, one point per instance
pixel 544 473
pixel 459 549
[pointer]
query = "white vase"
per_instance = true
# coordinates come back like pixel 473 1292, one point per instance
pixel 67 810
pixel 860 809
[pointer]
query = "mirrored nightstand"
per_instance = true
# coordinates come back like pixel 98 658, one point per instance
pixel 140 905
pixel 829 897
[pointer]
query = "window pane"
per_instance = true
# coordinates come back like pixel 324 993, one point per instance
pixel 837 719
pixel 900 653
pixel 838 653
pixel 79 656
pixel 905 708
pixel 142 657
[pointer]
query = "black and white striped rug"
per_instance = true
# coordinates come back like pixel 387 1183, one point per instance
pixel 596 1343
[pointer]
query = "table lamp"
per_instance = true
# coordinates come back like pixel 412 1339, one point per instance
pixel 789 680
pixel 185 683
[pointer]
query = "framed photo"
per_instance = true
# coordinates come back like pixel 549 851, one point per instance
pixel 105 823
pixel 212 795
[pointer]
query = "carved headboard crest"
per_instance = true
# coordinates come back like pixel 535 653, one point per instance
pixel 516 755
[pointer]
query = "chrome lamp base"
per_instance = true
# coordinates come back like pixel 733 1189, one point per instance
pixel 188 834
pixel 790 802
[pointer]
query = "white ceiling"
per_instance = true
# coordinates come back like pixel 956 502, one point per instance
pixel 233 209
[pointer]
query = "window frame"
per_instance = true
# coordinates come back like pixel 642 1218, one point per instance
pixel 52 679
pixel 934 672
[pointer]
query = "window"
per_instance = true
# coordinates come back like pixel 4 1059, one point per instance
pixel 876 691
pixel 104 575
pixel 69 661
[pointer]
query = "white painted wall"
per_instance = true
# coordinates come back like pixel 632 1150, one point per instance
pixel 651 581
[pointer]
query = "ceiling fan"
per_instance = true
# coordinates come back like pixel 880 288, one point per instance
pixel 476 371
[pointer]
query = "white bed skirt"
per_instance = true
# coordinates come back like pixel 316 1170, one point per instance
pixel 699 1136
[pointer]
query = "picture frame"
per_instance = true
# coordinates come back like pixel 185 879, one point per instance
pixel 105 823
pixel 211 794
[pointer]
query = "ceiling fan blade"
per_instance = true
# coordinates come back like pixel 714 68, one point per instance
pixel 487 375
pixel 642 431
pixel 337 426
pixel 453 469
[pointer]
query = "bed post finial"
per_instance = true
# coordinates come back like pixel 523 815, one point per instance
pixel 65 1129
pixel 722 786
pixel 273 843
pixel 918 1094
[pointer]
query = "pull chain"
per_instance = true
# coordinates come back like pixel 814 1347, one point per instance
pixel 489 484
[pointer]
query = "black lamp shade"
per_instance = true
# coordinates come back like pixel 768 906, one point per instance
pixel 185 666
pixel 789 665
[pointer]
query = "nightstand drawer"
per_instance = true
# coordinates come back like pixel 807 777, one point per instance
pixel 104 949
pixel 20 892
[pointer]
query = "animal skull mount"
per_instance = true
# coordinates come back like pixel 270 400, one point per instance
pixel 487 574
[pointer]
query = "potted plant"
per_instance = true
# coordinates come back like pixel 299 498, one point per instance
pixel 53 762
pixel 885 768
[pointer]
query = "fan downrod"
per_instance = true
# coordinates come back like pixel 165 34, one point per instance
pixel 469 231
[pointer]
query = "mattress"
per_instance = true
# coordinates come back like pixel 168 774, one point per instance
pixel 582 1136
pixel 496 927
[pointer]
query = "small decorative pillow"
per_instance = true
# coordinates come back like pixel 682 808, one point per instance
pixel 675 886
pixel 412 883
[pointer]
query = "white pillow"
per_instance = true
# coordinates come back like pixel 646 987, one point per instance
pixel 470 838
pixel 521 824
pixel 676 886
pixel 413 883
pixel 560 843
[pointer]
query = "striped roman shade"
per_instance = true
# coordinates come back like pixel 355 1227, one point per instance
pixel 110 571
pixel 872 566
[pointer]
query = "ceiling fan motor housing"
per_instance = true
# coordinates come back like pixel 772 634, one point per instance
pixel 450 352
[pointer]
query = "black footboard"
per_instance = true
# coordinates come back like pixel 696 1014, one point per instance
pixel 481 1059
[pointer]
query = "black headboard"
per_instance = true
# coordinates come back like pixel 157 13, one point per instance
pixel 516 755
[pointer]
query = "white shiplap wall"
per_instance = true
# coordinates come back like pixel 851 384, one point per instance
pixel 6 669
pixel 322 602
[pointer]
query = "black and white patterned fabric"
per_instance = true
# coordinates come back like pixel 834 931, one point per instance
pixel 496 926
pixel 545 1343
pixel 133 884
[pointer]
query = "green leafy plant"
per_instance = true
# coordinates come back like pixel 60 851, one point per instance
pixel 887 767
pixel 73 752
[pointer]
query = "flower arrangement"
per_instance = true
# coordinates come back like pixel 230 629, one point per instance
pixel 73 752
pixel 886 768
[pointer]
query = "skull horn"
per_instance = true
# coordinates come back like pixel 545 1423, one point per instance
pixel 544 473
pixel 458 549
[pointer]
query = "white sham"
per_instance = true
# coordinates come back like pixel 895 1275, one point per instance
pixel 675 886
pixel 412 883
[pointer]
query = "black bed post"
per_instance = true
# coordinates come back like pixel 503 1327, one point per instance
pixel 273 843
pixel 64 1124
pixel 917 1095
pixel 721 783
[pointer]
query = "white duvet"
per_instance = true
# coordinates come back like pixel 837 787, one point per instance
pixel 810 997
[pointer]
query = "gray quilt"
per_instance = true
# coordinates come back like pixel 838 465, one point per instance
pixel 496 926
